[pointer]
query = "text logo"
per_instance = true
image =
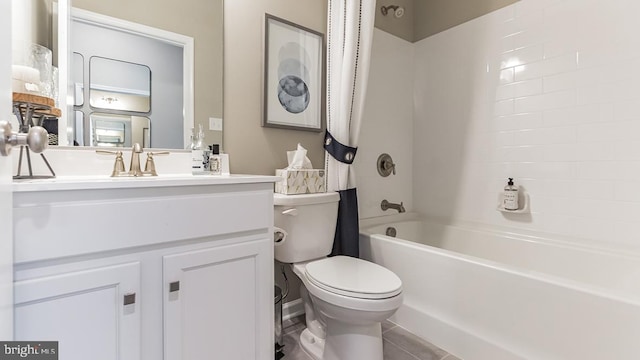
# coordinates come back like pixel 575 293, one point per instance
pixel 29 350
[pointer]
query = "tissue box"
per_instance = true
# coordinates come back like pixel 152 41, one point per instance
pixel 300 181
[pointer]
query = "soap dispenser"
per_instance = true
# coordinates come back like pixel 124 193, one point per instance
pixel 510 198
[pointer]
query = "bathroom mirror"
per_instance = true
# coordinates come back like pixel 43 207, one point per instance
pixel 119 85
pixel 112 130
pixel 165 15
pixel 117 79
pixel 77 78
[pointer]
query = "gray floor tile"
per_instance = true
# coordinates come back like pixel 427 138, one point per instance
pixel 387 325
pixel 451 357
pixel 300 319
pixel 292 349
pixel 392 352
pixel 399 344
pixel 414 345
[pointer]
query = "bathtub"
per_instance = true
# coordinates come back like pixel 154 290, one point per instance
pixel 483 294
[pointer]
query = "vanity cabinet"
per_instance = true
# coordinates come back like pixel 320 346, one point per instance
pixel 146 270
pixel 84 309
pixel 223 281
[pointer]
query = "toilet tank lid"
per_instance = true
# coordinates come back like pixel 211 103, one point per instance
pixel 305 199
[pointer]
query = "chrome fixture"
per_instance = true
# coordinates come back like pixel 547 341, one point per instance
pixel 118 166
pixel 37 139
pixel 134 167
pixel 150 165
pixel 385 205
pixel 398 11
pixel 385 165
pixel 391 231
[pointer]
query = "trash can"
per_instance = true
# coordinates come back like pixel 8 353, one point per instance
pixel 279 345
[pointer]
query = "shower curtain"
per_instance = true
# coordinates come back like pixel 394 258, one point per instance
pixel 350 33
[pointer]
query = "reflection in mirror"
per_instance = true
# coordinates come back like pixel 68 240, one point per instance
pixel 119 85
pixel 53 25
pixel 112 130
pixel 77 78
pixel 78 128
pixel 118 61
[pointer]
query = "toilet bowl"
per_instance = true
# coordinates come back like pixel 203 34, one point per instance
pixel 351 304
pixel 345 298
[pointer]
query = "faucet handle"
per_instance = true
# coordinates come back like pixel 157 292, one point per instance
pixel 389 165
pixel 385 165
pixel 150 165
pixel 118 166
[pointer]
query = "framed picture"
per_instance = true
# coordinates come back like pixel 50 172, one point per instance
pixel 293 76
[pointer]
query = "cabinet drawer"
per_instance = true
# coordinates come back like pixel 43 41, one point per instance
pixel 63 227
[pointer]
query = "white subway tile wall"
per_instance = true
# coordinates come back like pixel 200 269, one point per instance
pixel 387 126
pixel 546 92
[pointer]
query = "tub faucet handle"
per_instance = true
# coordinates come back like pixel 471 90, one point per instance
pixel 389 165
pixel 386 166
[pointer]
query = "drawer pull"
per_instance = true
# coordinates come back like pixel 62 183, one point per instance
pixel 174 286
pixel 129 299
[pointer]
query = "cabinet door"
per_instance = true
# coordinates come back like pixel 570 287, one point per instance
pixel 85 311
pixel 217 303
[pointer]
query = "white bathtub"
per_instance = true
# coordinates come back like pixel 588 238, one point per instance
pixel 486 295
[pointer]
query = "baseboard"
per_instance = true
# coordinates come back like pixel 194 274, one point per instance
pixel 292 309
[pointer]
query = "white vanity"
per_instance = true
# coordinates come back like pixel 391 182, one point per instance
pixel 172 267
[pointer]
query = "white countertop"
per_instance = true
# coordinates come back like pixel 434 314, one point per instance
pixel 107 182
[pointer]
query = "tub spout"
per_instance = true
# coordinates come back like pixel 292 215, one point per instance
pixel 385 205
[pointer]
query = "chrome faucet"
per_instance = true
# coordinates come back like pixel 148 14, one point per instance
pixel 385 205
pixel 134 167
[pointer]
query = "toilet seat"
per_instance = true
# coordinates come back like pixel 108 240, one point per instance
pixel 352 277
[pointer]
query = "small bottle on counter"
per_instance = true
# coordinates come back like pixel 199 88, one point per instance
pixel 510 199
pixel 215 160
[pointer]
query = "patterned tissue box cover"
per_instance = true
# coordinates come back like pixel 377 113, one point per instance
pixel 300 181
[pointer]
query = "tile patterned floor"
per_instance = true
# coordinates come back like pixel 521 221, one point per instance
pixel 399 344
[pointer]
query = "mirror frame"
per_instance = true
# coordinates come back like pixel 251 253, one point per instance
pixel 185 42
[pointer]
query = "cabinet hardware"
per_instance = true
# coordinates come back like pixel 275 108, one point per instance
pixel 174 286
pixel 129 299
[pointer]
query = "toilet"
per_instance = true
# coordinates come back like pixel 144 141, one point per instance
pixel 345 298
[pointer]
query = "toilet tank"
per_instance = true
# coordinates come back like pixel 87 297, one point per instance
pixel 310 223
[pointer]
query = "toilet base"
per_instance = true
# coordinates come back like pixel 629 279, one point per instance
pixel 349 342
pixel 311 344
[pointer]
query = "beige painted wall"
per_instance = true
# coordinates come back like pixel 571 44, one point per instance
pixel 253 148
pixel 434 16
pixel 401 27
pixel 424 18
pixel 202 20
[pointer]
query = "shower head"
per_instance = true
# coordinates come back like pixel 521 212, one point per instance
pixel 398 11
